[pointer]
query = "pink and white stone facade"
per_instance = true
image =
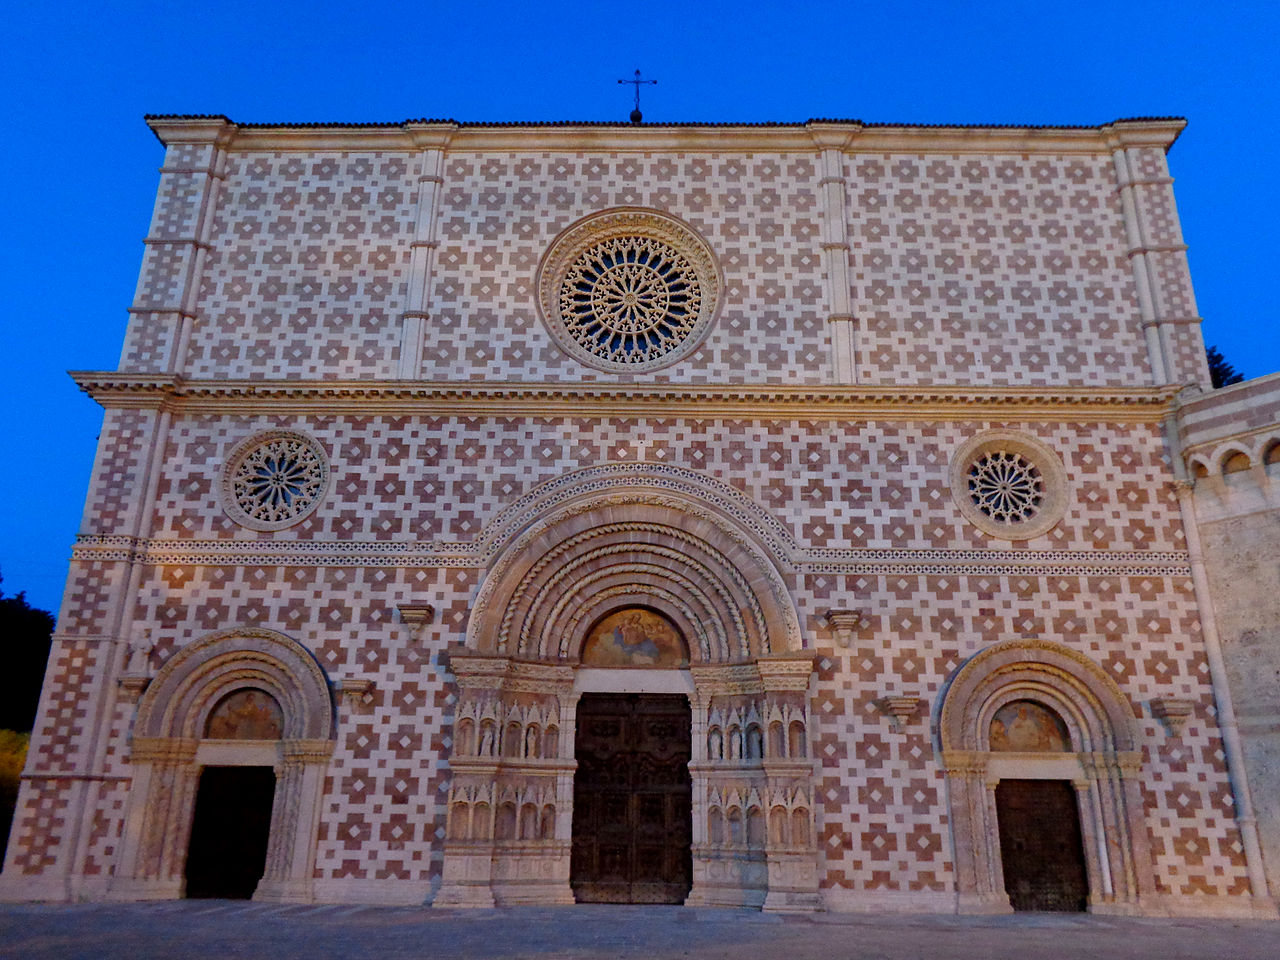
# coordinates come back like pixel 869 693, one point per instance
pixel 888 293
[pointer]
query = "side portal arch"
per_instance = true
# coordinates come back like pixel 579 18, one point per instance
pixel 174 739
pixel 1093 745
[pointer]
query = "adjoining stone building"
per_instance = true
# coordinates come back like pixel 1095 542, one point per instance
pixel 806 516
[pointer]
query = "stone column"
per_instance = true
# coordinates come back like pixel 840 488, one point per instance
pixel 295 822
pixel 157 827
pixel 979 879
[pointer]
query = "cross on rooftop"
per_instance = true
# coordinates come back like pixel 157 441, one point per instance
pixel 636 116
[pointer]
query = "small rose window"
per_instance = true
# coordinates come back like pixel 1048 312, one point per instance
pixel 1009 485
pixel 272 481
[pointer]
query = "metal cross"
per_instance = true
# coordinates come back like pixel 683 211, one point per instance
pixel 636 116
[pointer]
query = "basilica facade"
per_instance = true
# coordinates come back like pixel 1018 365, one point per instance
pixel 816 516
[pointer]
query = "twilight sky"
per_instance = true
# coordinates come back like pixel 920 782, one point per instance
pixel 79 174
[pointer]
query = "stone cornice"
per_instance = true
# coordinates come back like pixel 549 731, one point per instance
pixel 726 401
pixel 811 136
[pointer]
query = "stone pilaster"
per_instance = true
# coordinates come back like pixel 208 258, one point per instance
pixel 432 140
pixel 835 252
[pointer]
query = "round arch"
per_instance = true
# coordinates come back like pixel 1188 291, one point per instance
pixel 646 535
pixel 178 701
pixel 1104 767
pixel 168 751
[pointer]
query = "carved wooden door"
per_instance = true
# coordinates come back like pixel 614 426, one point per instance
pixel 1040 846
pixel 632 823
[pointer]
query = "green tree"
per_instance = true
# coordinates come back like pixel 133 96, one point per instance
pixel 1221 373
pixel 13 753
pixel 26 633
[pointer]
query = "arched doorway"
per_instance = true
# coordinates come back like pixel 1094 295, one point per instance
pixel 231 822
pixel 620 541
pixel 1050 723
pixel 1041 851
pixel 632 794
pixel 236 711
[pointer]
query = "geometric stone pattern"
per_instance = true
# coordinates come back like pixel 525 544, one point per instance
pixel 991 269
pixel 759 213
pixel 1002 270
pixel 307 267
pixel 866 485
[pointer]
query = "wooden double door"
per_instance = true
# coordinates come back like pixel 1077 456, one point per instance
pixel 632 820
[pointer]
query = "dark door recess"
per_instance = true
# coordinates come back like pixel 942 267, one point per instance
pixel 632 826
pixel 229 832
pixel 1040 846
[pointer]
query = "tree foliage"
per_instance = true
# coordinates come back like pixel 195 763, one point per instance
pixel 13 753
pixel 26 634
pixel 1221 373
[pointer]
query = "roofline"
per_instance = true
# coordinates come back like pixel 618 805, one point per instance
pixel 817 133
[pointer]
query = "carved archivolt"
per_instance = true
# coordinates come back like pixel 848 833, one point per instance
pixel 588 558
pixel 735 512
pixel 1103 763
pixel 197 677
pixel 1075 687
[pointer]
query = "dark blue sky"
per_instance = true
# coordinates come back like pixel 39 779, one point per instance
pixel 79 172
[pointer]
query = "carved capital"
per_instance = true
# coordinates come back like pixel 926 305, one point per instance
pixel 306 751
pixel 843 623
pixel 1172 712
pixel 416 616
pixel 132 685
pixel 162 750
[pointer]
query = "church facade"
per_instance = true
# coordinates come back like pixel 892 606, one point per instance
pixel 819 516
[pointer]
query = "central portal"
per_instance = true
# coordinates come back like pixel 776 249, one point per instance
pixel 632 820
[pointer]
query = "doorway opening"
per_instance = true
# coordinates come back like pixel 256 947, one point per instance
pixel 632 799
pixel 229 832
pixel 1040 846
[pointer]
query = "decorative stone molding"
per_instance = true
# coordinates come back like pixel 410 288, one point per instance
pixel 628 289
pixel 899 708
pixel 477 553
pixel 273 480
pixel 1009 484
pixel 355 690
pixel 843 623
pixel 484 398
pixel 1172 712
pixel 416 616
pixel 573 136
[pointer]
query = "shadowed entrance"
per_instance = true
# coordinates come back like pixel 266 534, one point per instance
pixel 1040 847
pixel 632 821
pixel 229 832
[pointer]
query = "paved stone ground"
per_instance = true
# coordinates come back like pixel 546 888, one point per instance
pixel 223 930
